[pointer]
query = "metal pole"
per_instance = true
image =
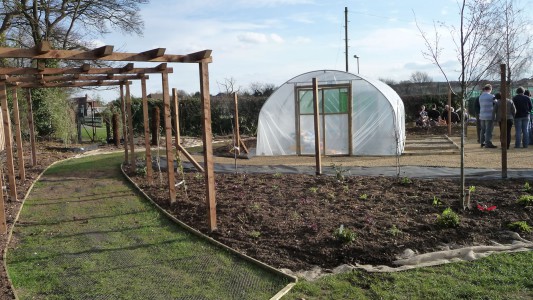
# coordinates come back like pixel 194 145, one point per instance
pixel 346 35
pixel 357 57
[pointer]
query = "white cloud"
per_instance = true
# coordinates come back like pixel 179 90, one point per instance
pixel 252 38
pixel 302 40
pixel 276 38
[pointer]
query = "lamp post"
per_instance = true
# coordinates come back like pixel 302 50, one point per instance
pixel 357 57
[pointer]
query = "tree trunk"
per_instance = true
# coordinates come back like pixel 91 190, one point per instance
pixel 116 138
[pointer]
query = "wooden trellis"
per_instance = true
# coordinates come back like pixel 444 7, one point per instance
pixel 85 75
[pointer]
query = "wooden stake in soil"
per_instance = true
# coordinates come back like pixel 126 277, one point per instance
pixel 146 122
pixel 3 225
pixel 156 121
pixel 168 139
pixel 8 141
pixel 18 135
pixel 316 112
pixel 237 132
pixel 208 147
pixel 31 128
pixel 503 122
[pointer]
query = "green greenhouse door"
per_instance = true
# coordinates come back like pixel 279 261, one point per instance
pixel 335 131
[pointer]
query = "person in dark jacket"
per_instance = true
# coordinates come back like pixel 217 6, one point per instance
pixel 508 117
pixel 521 119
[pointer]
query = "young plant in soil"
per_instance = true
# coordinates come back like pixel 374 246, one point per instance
pixel 344 235
pixel 520 226
pixel 448 219
pixel 525 200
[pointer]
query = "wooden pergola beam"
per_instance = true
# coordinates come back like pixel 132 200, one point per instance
pixel 70 84
pixel 43 52
pixel 82 70
pixel 72 77
pixel 157 52
pixel 103 51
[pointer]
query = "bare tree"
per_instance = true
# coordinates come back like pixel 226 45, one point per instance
pixel 66 23
pixel 229 86
pixel 475 40
pixel 262 89
pixel 514 49
pixel 420 77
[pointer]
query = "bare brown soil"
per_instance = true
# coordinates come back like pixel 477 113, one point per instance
pixel 289 220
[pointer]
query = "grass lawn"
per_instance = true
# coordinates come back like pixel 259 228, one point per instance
pixel 87 132
pixel 499 276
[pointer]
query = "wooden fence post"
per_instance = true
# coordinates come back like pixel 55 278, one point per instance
pixel 168 139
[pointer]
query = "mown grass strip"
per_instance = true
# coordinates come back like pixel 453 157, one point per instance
pixel 499 276
pixel 84 234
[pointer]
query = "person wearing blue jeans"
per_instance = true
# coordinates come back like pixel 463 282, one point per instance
pixel 521 119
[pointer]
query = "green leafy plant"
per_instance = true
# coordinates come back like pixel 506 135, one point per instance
pixel 313 189
pixel 254 234
pixel 527 187
pixel 394 231
pixel 472 188
pixel 344 235
pixel 436 201
pixel 278 175
pixel 339 172
pixel 140 171
pixel 405 181
pixel 199 176
pixel 363 196
pixel 525 200
pixel 345 189
pixel 448 218
pixel 520 226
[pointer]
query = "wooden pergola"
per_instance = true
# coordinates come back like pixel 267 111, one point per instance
pixel 85 76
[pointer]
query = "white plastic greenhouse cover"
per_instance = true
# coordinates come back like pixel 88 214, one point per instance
pixel 377 119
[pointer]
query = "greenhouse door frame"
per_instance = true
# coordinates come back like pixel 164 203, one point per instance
pixel 322 114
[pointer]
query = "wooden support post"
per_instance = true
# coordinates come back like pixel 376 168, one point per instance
pixel 237 132
pixel 209 176
pixel 176 116
pixel 129 116
pixel 31 128
pixel 318 155
pixel 146 123
pixel 18 135
pixel 8 142
pixel 168 139
pixel 156 120
pixel 124 126
pixel 503 114
pixel 3 225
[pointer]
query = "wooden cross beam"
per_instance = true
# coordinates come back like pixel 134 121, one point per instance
pixel 72 77
pixel 106 53
pixel 69 84
pixel 84 70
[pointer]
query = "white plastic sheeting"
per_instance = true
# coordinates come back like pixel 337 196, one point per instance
pixel 376 113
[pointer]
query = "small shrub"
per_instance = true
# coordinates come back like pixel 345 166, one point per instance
pixel 527 187
pixel 345 189
pixel 254 234
pixel 313 189
pixel 278 175
pixel 394 231
pixel 140 171
pixel 199 176
pixel 436 201
pixel 525 200
pixel 520 226
pixel 363 197
pixel 405 181
pixel 344 235
pixel 339 172
pixel 448 218
pixel 472 188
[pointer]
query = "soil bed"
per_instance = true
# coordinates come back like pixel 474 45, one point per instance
pixel 288 220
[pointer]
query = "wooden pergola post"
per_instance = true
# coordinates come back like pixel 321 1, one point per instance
pixel 129 117
pixel 124 127
pixel 168 139
pixel 18 135
pixel 208 147
pixel 31 127
pixel 146 122
pixel 8 141
pixel 503 114
pixel 237 132
pixel 176 117
pixel 316 113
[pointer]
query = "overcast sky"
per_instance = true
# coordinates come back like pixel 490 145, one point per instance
pixel 272 41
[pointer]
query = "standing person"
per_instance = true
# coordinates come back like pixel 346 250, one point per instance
pixel 509 116
pixel 486 116
pixel 433 115
pixel 477 109
pixel 527 93
pixel 521 119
